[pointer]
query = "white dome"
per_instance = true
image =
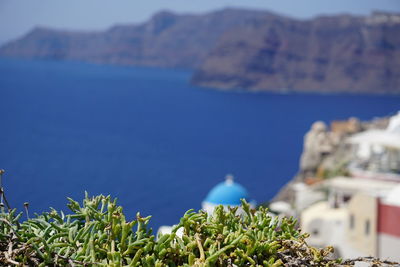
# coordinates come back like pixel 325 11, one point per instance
pixel 227 193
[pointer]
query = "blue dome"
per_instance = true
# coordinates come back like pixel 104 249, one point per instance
pixel 227 193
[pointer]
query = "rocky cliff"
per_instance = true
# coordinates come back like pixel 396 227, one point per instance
pixel 327 54
pixel 242 49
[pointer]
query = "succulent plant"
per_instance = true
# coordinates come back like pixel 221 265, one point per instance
pixel 97 233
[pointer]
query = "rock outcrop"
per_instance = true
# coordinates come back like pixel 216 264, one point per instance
pixel 318 143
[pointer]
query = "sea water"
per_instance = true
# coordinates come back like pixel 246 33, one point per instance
pixel 149 137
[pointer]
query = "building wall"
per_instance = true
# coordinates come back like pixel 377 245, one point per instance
pixel 328 227
pixel 305 196
pixel 389 219
pixel 389 247
pixel 389 231
pixel 362 224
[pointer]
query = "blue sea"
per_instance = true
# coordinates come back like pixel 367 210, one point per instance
pixel 149 137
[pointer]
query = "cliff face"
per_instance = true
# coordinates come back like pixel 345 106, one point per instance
pixel 326 54
pixel 166 40
pixel 250 50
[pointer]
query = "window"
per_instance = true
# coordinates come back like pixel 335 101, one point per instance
pixel 367 227
pixel 351 224
pixel 315 232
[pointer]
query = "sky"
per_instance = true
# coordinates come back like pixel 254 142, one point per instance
pixel 17 17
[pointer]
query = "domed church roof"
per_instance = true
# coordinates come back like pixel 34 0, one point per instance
pixel 227 193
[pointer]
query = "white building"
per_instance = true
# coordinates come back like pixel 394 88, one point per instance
pixel 361 216
pixel 389 225
pixel 376 153
pixel 350 219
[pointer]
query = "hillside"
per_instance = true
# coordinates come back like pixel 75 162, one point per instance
pixel 166 40
pixel 327 54
pixel 242 49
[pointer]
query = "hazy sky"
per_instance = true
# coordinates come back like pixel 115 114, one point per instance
pixel 19 16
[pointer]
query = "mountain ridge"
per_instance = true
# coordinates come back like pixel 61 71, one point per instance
pixel 327 54
pixel 166 40
pixel 245 49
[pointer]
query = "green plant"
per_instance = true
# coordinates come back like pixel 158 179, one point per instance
pixel 96 233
